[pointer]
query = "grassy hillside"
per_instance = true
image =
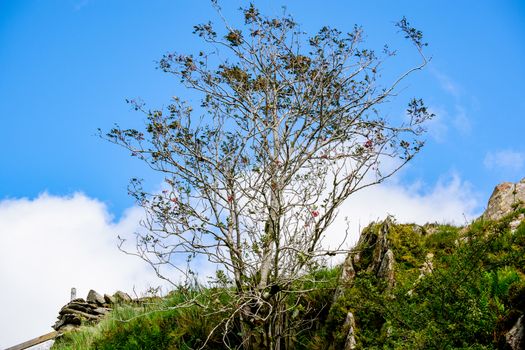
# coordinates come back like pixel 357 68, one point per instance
pixel 455 288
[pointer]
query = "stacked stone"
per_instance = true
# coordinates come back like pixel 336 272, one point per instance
pixel 79 311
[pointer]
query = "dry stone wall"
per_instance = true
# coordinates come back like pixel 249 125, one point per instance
pixel 79 311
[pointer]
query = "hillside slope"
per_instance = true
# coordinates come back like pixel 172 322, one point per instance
pixel 403 286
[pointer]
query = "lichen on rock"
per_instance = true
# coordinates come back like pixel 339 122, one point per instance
pixel 506 198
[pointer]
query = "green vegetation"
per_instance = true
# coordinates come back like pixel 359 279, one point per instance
pixel 469 296
pixel 282 127
pixel 174 322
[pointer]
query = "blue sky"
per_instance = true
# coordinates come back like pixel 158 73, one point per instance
pixel 67 66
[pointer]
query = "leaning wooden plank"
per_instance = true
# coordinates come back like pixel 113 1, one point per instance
pixel 34 341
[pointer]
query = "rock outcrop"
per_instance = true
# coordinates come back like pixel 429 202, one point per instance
pixel 516 336
pixel 79 311
pixel 386 268
pixel 372 253
pixel 350 342
pixel 506 198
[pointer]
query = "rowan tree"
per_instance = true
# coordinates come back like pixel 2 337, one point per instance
pixel 287 128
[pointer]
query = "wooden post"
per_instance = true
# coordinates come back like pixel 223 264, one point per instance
pixel 34 341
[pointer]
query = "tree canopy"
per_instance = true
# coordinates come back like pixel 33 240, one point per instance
pixel 287 128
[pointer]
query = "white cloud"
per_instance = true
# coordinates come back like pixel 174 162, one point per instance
pixel 459 118
pixel 446 83
pixel 80 5
pixel 505 160
pixel 449 201
pixel 459 122
pixel 437 126
pixel 462 122
pixel 50 244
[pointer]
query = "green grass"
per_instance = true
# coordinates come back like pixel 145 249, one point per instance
pixel 175 322
pixel 474 295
